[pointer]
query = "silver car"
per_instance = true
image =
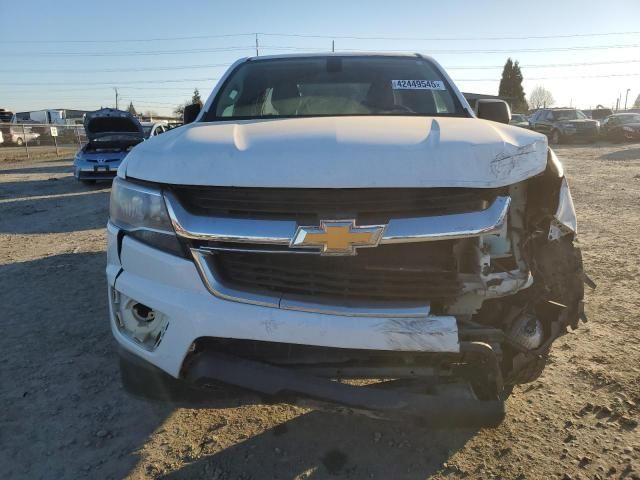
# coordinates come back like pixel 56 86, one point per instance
pixel 111 135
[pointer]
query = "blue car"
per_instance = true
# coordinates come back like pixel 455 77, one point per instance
pixel 111 135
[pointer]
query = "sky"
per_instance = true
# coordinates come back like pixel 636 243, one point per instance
pixel 72 54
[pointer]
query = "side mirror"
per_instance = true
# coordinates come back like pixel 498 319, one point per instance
pixel 491 109
pixel 191 112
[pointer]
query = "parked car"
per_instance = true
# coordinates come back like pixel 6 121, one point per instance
pixel 111 135
pixel 621 127
pixel 564 124
pixel 5 115
pixel 151 129
pixel 519 120
pixel 344 216
pixel 21 134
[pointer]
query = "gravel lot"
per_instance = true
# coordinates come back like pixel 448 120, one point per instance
pixel 64 415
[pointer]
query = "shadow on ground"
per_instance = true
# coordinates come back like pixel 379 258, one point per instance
pixel 322 445
pixel 626 154
pixel 40 169
pixel 84 210
pixel 64 414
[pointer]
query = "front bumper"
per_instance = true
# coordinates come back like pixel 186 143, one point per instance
pixel 588 135
pixel 173 286
pixel 94 172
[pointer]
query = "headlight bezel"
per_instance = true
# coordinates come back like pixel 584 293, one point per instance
pixel 140 211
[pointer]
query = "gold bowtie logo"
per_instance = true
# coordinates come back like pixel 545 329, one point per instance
pixel 337 237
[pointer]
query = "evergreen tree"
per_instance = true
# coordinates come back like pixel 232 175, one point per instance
pixel 131 109
pixel 511 86
pixel 196 97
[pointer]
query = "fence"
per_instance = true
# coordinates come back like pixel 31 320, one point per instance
pixel 30 140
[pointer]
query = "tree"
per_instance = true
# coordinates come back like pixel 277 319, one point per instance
pixel 196 97
pixel 131 109
pixel 636 104
pixel 511 86
pixel 179 111
pixel 540 97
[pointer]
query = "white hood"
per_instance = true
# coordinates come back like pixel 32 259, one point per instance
pixel 341 152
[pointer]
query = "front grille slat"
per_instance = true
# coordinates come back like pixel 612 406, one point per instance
pixel 347 277
pixel 379 204
pixel 412 272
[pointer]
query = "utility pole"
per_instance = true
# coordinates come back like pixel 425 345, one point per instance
pixel 116 90
pixel 257 47
pixel 333 46
pixel 626 97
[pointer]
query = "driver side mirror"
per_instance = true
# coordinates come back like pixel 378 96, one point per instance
pixel 493 109
pixel 191 112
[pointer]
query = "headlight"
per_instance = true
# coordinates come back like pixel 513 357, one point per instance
pixel 140 211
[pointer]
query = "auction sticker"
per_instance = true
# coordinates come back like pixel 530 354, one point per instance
pixel 417 85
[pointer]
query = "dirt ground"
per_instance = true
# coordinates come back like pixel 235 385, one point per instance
pixel 63 413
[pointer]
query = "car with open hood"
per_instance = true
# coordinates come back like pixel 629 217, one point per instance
pixel 111 134
pixel 337 216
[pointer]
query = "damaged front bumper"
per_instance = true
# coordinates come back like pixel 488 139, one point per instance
pixel 172 289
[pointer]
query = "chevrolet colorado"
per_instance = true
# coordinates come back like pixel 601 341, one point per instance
pixel 325 218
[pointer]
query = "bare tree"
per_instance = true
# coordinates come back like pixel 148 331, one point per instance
pixel 179 111
pixel 540 97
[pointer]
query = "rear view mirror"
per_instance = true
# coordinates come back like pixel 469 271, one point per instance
pixel 191 112
pixel 493 109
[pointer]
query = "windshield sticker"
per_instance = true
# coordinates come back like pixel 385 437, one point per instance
pixel 417 85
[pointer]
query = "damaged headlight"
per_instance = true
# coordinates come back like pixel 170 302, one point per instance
pixel 141 212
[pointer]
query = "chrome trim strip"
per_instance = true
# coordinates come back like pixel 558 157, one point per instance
pixel 214 286
pixel 282 232
pixel 291 303
pixel 219 290
pixel 236 230
pixel 447 227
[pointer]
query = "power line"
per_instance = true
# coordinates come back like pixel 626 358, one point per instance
pixel 517 37
pixel 326 36
pixel 295 48
pixel 113 82
pixel 507 50
pixel 131 40
pixel 552 78
pixel 109 70
pixel 542 65
pixel 216 65
pixel 124 54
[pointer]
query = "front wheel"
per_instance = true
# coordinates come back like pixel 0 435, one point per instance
pixel 555 137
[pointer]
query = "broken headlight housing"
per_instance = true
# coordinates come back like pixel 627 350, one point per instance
pixel 140 211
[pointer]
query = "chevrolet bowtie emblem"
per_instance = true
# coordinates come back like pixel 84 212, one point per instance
pixel 337 237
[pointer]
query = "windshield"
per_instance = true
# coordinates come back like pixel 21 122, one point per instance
pixel 568 115
pixel 146 129
pixel 630 119
pixel 518 118
pixel 335 86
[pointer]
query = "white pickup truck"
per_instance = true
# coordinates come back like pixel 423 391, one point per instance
pixel 332 217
